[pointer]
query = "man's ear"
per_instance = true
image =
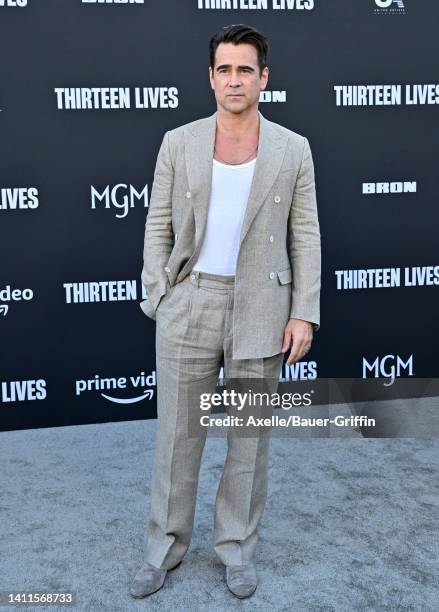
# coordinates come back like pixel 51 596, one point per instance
pixel 265 72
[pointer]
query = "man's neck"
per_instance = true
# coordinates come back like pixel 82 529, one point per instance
pixel 237 126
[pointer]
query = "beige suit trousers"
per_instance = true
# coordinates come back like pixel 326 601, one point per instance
pixel 194 336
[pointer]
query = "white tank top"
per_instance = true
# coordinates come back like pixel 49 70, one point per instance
pixel 228 202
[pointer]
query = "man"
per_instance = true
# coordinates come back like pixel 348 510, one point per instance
pixel 232 272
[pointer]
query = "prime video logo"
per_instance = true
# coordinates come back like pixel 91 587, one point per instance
pixel 109 387
pixel 390 6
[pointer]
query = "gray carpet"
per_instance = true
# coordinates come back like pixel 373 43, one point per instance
pixel 350 523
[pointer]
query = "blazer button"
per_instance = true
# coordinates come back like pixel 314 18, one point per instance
pixel 271 238
pixel 277 199
pixel 188 194
pixel 167 269
pixel 271 274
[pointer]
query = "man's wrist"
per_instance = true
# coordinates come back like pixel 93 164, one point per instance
pixel 315 326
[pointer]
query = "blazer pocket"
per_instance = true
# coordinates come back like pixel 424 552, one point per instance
pixel 285 276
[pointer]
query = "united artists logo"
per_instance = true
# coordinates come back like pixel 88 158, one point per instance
pixel 389 7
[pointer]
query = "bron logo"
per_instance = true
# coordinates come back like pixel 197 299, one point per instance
pixel 394 187
pixel 121 196
pixel 273 96
pixel 389 7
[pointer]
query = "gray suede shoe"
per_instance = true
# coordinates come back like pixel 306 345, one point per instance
pixel 242 580
pixel 148 580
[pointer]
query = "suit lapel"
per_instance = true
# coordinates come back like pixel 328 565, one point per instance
pixel 199 146
pixel 271 151
pixel 199 149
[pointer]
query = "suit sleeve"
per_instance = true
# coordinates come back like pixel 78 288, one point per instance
pixel 159 237
pixel 304 244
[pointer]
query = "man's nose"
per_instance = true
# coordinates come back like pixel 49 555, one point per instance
pixel 234 79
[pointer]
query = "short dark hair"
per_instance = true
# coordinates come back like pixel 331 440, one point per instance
pixel 240 33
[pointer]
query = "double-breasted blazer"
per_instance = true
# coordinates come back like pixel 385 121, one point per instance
pixel 278 267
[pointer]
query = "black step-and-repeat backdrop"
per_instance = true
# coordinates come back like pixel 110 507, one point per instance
pixel 87 90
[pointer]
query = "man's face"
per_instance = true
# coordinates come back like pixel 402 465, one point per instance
pixel 236 79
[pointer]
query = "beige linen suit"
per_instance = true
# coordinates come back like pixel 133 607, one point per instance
pixel 204 320
pixel 278 268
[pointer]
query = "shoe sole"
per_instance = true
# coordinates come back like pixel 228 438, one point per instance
pixel 242 596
